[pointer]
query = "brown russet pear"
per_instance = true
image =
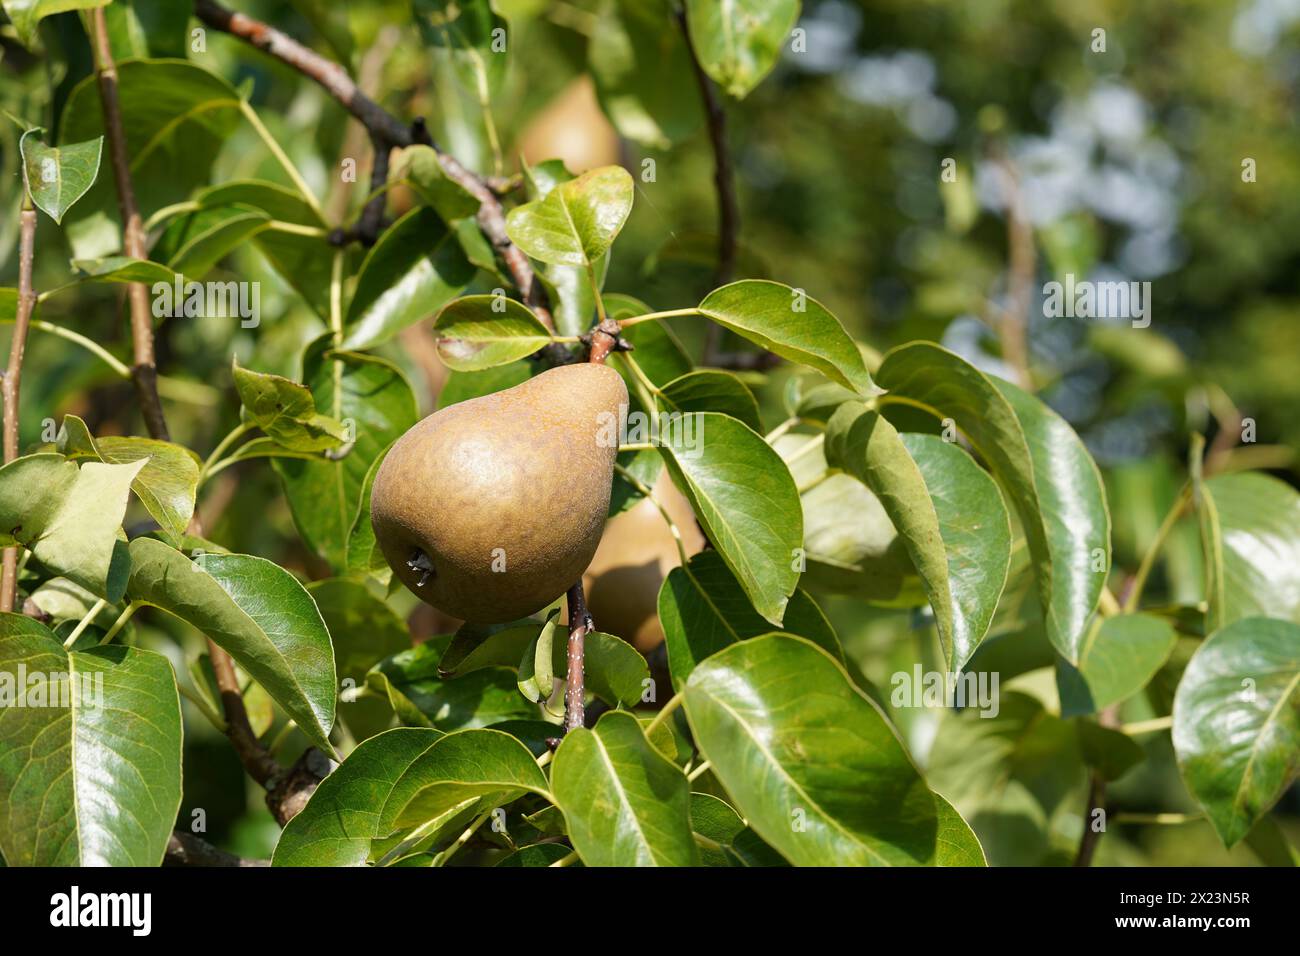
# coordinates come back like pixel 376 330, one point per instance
pixel 492 508
pixel 635 555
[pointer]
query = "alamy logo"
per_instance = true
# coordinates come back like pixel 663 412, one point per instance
pixel 23 688
pixel 1098 300
pixel 208 300
pixel 921 688
pixel 75 908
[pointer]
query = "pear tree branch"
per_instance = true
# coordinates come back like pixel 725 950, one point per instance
pixel 386 132
pixel 13 373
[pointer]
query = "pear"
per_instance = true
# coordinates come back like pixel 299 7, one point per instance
pixel 635 555
pixel 492 508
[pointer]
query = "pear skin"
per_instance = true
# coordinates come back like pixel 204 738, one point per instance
pixel 635 555
pixel 492 508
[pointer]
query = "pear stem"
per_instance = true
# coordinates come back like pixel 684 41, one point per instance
pixel 579 624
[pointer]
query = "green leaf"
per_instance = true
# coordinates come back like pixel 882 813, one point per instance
pixel 1119 656
pixel 577 221
pixel 704 610
pixel 711 391
pixel 500 645
pixel 286 411
pixel 176 117
pixel 955 842
pixel 372 393
pixel 793 325
pixel 948 512
pixel 644 77
pixel 1237 722
pixel 536 665
pixel 811 763
pixel 744 497
pixel 123 269
pixel 660 355
pixel 193 244
pixel 614 670
pixel 90 772
pixel 1250 525
pixel 259 613
pixel 27 14
pixel 624 803
pixel 738 42
pixel 57 176
pixel 363 554
pixel 1047 474
pixel 166 485
pixel 421 697
pixel 538 854
pixel 415 268
pixel 421 168
pixel 1108 752
pixel 718 824
pixel 363 630
pixel 70 518
pixel 482 331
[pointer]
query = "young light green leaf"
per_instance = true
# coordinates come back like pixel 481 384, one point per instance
pixel 1250 526
pixel 286 411
pixel 166 485
pixel 123 269
pixel 577 221
pixel 413 270
pixel 258 612
pixel 193 244
pixel 1118 657
pixel 27 14
pixel 57 176
pixel 743 495
pixel 536 665
pixel 90 762
pixel 704 610
pixel 836 769
pixel 1237 722
pixel 70 518
pixel 739 41
pixel 482 331
pixel 474 646
pixel 793 325
pixel 625 804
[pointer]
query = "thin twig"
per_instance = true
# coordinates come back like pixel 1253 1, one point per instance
pixel 186 849
pixel 574 688
pixel 13 375
pixel 1109 717
pixel 144 371
pixel 1014 319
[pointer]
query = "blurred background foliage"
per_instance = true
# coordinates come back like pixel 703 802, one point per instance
pixel 1127 164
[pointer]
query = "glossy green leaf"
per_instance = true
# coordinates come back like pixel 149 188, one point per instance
pixel 1237 722
pixel 704 610
pixel 1250 525
pixel 948 512
pixel 364 556
pixel 123 269
pixel 614 670
pixel 27 14
pixel 375 397
pixel 166 485
pixel 259 613
pixel 193 244
pixel 643 73
pixel 90 751
pixel 624 803
pixel 422 698
pixel 811 763
pixel 481 331
pixel 955 843
pixel 1048 476
pixel 57 176
pixel 1119 656
pixel 415 268
pixel 286 411
pixel 70 518
pixel 711 391
pixel 499 645
pixel 793 325
pixel 739 41
pixel 745 500
pixel 577 221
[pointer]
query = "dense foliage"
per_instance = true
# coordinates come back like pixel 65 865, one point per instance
pixel 976 589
